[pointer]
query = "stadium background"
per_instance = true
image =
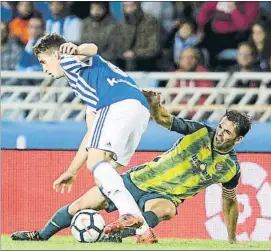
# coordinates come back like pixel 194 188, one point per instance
pixel 46 148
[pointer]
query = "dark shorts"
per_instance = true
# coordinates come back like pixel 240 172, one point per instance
pixel 140 197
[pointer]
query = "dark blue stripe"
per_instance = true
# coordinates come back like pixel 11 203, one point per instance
pixel 96 139
pixel 89 104
pixel 69 62
pixel 102 123
pixel 70 80
pixel 88 89
pixel 73 74
pixel 72 68
pixel 96 128
pixel 85 95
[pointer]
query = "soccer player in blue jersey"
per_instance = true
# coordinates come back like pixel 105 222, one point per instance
pixel 117 114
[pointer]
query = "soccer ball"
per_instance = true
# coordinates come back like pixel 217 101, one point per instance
pixel 87 226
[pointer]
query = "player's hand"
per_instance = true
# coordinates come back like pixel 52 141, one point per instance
pixel 68 48
pixel 64 182
pixel 152 97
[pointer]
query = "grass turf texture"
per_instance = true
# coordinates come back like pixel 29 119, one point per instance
pixel 68 243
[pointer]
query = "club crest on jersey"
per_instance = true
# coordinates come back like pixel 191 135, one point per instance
pixel 202 166
pixel 219 166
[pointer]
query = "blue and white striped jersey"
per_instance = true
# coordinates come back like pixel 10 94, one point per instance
pixel 98 82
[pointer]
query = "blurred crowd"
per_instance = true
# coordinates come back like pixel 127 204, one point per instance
pixel 147 36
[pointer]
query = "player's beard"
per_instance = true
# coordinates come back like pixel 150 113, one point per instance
pixel 222 146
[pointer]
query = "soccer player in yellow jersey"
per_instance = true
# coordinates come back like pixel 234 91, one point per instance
pixel 204 156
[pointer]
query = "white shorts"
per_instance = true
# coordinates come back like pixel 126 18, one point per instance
pixel 118 129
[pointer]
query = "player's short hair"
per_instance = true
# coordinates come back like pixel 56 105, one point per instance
pixel 241 120
pixel 50 41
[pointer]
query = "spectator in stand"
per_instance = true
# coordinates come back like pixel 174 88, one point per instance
pixel 246 62
pixel 185 37
pixel 36 29
pixel 189 61
pixel 18 26
pixel 163 11
pixel 98 28
pixel 186 10
pixel 226 24
pixel 137 39
pixel 261 40
pixel 246 59
pixel 11 49
pixel 69 26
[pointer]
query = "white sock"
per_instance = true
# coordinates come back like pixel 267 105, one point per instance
pixel 114 188
pixel 142 229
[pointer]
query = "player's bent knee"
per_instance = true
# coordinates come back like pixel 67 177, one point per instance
pixel 169 212
pixel 95 156
pixel 163 208
pixel 75 207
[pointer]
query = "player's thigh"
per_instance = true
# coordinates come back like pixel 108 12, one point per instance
pixel 138 125
pixel 128 121
pixel 92 199
pixel 165 209
pixel 97 155
pixel 117 129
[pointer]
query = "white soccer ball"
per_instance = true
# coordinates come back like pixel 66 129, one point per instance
pixel 87 226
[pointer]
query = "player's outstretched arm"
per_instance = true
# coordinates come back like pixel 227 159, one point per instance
pixel 230 210
pixel 66 179
pixel 165 119
pixel 158 112
pixel 81 155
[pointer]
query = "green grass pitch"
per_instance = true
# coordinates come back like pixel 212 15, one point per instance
pixel 68 243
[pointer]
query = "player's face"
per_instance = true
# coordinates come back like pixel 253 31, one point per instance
pixel 50 64
pixel 225 136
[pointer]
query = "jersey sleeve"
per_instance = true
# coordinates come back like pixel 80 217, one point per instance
pixel 71 64
pixel 233 182
pixel 184 126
